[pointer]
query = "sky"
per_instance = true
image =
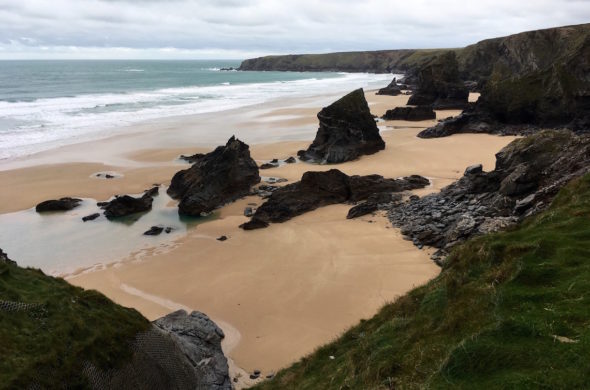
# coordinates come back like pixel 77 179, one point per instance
pixel 238 29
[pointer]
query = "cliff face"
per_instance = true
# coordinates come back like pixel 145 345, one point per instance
pixel 519 53
pixel 385 61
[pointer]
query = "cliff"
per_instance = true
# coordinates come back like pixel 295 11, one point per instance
pixel 384 61
pixel 519 53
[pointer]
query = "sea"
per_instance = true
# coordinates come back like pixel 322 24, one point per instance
pixel 47 104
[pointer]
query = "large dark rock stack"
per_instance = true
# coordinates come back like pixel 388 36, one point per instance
pixel 216 178
pixel 347 131
pixel 439 84
pixel 554 96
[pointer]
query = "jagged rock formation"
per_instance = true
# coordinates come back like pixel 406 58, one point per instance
pixel 317 189
pixel 528 174
pixel 439 84
pixel 555 96
pixel 418 113
pixel 63 204
pixel 216 178
pixel 347 130
pixel 391 90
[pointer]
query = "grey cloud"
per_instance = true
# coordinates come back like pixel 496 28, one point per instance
pixel 268 26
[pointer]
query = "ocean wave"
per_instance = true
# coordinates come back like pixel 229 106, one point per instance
pixel 133 70
pixel 49 122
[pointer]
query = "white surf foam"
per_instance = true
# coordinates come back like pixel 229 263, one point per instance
pixel 47 123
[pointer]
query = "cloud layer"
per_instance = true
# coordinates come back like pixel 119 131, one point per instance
pixel 243 28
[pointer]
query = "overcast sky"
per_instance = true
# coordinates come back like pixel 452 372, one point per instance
pixel 246 28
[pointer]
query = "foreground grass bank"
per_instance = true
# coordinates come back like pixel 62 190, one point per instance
pixel 49 329
pixel 510 310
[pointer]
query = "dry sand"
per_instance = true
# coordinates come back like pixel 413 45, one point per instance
pixel 286 289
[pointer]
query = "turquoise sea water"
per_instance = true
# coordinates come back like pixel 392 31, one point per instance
pixel 44 104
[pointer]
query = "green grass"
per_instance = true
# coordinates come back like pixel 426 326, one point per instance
pixel 48 345
pixel 509 311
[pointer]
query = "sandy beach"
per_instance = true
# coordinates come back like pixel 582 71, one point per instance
pixel 279 292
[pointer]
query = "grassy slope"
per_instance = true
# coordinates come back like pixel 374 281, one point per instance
pixel 510 310
pixel 48 345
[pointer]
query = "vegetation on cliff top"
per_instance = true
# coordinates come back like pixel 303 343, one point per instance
pixel 521 53
pixel 61 327
pixel 509 310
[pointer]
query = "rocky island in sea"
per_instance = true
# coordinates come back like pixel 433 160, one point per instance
pixel 443 203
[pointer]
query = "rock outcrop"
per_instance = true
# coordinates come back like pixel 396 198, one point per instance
pixel 347 131
pixel 63 204
pixel 529 172
pixel 317 189
pixel 554 96
pixel 199 339
pixel 124 205
pixel 418 113
pixel 392 89
pixel 439 84
pixel 219 177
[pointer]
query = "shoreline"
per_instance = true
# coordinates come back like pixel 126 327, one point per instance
pixel 310 273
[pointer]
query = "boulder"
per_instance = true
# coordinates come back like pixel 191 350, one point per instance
pixel 199 339
pixel 291 160
pixel 418 113
pixel 347 131
pixel 219 177
pixel 439 84
pixel 126 205
pixel 317 189
pixel 391 90
pixel 154 231
pixel 63 204
pixel 90 217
